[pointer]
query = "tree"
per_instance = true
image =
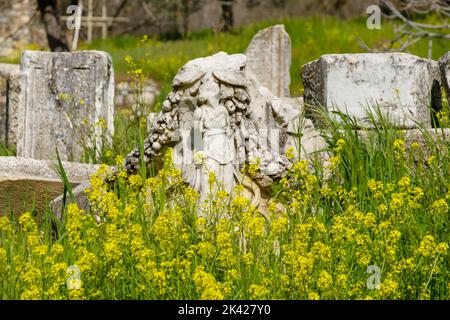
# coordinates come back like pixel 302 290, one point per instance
pixel 50 16
pixel 171 17
pixel 187 8
pixel 408 28
pixel 227 14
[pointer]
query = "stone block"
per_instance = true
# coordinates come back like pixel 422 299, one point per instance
pixel 56 205
pixel 65 96
pixel 27 184
pixel 269 59
pixel 405 88
pixel 10 89
pixel 444 64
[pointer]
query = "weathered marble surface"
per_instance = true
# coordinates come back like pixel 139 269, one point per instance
pixel 79 194
pixel 26 183
pixel 444 64
pixel 402 85
pixel 10 93
pixel 64 95
pixel 269 59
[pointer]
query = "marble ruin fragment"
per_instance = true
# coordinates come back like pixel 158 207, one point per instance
pixel 444 64
pixel 269 59
pixel 10 95
pixel 403 86
pixel 65 97
pixel 220 118
pixel 26 183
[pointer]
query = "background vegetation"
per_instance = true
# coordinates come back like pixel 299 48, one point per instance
pixel 311 38
pixel 381 200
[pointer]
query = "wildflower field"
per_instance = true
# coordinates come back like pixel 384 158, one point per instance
pixel 371 223
pixel 380 202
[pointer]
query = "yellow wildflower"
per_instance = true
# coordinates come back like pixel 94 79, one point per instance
pixel 258 292
pixel 439 206
pixel 324 281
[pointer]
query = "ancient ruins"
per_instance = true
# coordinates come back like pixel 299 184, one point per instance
pixel 403 86
pixel 62 91
pixel 25 182
pixel 217 113
pixel 224 112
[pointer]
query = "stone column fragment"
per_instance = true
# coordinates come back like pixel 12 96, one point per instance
pixel 67 98
pixel 269 59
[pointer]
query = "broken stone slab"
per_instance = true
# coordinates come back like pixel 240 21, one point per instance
pixel 444 64
pixel 13 107
pixel 66 98
pixel 56 205
pixel 426 138
pixel 303 137
pixel 403 86
pixel 27 184
pixel 9 101
pixel 271 114
pixel 269 59
pixel 307 142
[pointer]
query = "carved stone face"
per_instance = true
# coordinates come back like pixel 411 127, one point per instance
pixel 209 93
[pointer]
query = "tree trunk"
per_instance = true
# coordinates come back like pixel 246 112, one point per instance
pixel 56 36
pixel 339 4
pixel 227 14
pixel 185 13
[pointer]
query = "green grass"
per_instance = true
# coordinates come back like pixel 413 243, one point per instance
pixel 311 38
pixel 6 151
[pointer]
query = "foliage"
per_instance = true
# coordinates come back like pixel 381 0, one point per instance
pixel 311 37
pixel 171 17
pixel 379 201
pixel 409 28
